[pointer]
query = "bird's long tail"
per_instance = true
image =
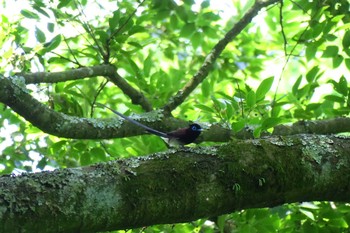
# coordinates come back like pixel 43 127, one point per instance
pixel 148 129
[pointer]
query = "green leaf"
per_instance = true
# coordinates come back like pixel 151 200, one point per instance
pixel 40 10
pixel 296 85
pixel 331 37
pixel 257 132
pixel 334 98
pixel 309 205
pixel 174 22
pixel 188 30
pixel 51 27
pixel 263 88
pixel 218 105
pixel 205 4
pixel 147 65
pixel 29 14
pixel 343 86
pixel 56 147
pixel 85 159
pixel 204 108
pixel 54 43
pixel 40 35
pixel 271 122
pixel 346 40
pixel 136 29
pixel 238 126
pixel 337 60
pixel 102 36
pixel 133 66
pixel 63 3
pixel 125 26
pixel 331 51
pixel 206 87
pixel 347 63
pixel 98 154
pixel 310 52
pixel 308 214
pixel 135 44
pixel 311 75
pixel 251 99
pixel 196 40
pixel 114 20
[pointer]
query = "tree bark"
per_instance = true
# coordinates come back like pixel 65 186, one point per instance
pixel 179 185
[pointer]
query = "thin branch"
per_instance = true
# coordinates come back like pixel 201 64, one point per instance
pixel 203 72
pixel 100 88
pixel 290 54
pixel 65 58
pixel 68 46
pixel 88 29
pixel 285 42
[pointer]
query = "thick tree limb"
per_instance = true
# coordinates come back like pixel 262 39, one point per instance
pixel 178 186
pixel 59 124
pixel 214 54
pixel 14 95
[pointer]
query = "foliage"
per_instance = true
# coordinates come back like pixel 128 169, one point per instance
pixel 290 64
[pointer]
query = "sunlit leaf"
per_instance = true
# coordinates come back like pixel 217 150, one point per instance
pixel 343 86
pixel 263 88
pixel 147 65
pixel 29 14
pixel 205 108
pixel 308 214
pixel 311 74
pixel 54 43
pixel 331 51
pixel 251 99
pixel 188 30
pixel 40 35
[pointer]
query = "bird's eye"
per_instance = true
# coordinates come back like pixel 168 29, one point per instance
pixel 194 128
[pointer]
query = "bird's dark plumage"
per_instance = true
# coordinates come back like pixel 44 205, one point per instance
pixel 181 136
pixel 185 135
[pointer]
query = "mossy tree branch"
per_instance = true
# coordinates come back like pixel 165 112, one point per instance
pixel 59 124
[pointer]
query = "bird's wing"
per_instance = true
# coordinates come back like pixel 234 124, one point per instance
pixel 148 129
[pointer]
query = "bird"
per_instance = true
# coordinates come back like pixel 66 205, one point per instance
pixel 179 137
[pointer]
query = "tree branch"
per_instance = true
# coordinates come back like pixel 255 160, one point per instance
pixel 68 75
pixel 49 121
pixel 59 124
pixel 193 183
pixel 214 54
pixel 331 126
pixel 86 72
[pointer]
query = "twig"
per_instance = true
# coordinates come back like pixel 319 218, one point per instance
pixel 282 29
pixel 100 88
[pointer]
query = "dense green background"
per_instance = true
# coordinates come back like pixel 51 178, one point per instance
pixel 290 64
